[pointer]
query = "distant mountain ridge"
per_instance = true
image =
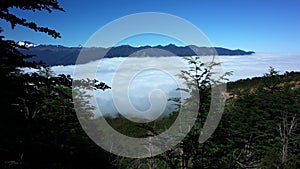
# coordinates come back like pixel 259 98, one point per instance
pixel 59 55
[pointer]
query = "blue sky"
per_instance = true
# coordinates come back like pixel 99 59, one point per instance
pixel 266 26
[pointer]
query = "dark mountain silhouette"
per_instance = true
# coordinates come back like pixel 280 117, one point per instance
pixel 60 55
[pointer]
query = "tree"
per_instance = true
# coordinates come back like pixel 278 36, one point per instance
pixel 189 153
pixel 200 81
pixel 38 124
pixel 13 82
pixel 287 133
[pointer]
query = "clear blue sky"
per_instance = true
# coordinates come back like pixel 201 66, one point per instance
pixel 259 25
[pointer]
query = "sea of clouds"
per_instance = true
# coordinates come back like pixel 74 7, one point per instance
pixel 141 86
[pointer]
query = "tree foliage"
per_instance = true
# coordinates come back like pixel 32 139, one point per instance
pixel 6 7
pixel 38 124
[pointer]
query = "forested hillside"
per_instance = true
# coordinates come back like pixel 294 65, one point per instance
pixel 259 129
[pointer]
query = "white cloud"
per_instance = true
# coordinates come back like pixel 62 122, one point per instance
pixel 140 79
pixel 258 64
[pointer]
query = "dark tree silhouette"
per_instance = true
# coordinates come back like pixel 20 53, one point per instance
pixel 38 125
pixel 33 5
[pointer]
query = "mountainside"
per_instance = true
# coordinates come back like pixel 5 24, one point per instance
pixel 60 55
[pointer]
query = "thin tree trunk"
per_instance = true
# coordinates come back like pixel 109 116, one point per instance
pixel 286 133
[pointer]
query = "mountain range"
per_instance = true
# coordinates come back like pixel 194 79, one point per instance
pixel 60 55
